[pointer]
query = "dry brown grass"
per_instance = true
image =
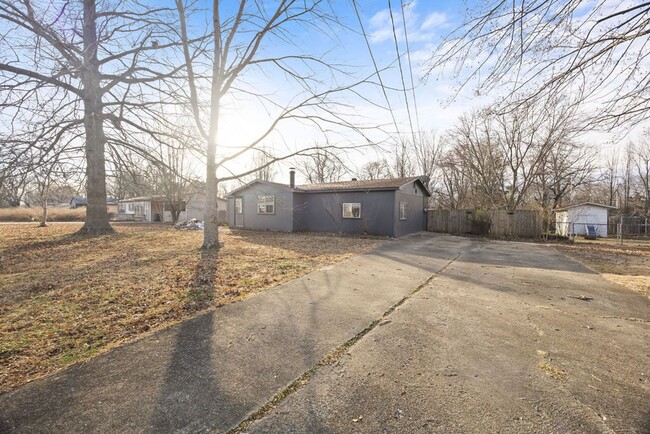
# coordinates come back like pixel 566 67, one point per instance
pixel 64 299
pixel 34 214
pixel 627 265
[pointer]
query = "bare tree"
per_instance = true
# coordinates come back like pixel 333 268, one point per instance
pixel 321 166
pixel 610 176
pixel 403 160
pixel 174 178
pixel 453 189
pixel 241 36
pixel 503 154
pixel 83 71
pixel 378 169
pixel 554 47
pixel 427 152
pixel 641 159
pixel 263 160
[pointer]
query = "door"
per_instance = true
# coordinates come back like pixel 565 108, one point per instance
pixel 239 211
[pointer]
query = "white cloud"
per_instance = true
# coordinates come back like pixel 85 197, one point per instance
pixel 435 20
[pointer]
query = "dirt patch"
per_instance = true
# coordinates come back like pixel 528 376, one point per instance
pixel 64 299
pixel 627 265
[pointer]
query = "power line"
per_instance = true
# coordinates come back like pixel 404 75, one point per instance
pixel 401 70
pixel 408 56
pixel 374 62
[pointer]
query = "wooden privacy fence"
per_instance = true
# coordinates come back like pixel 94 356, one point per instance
pixel 494 223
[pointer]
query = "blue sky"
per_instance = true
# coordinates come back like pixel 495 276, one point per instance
pixel 426 23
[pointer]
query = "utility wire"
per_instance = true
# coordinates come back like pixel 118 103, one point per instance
pixel 401 70
pixel 374 62
pixel 408 54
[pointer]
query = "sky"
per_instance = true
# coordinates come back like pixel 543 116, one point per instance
pixel 435 102
pixel 427 22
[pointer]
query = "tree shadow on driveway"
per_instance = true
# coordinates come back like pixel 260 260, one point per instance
pixel 187 395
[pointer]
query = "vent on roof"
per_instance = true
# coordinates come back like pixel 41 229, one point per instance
pixel 354 179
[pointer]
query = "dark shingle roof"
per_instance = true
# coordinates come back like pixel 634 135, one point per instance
pixel 374 184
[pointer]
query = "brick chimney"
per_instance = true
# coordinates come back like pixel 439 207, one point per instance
pixel 292 177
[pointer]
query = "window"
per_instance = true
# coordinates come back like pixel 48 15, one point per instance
pixel 266 204
pixel 239 205
pixel 402 210
pixel 351 210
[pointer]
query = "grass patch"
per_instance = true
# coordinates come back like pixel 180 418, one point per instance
pixel 64 299
pixel 627 265
pixel 552 371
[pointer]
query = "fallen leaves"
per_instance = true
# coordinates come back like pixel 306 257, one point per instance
pixel 64 298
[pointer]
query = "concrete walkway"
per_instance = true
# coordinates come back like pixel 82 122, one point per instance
pixel 210 373
pixel 501 341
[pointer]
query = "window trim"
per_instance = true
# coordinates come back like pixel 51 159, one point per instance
pixel 239 210
pixel 265 198
pixel 351 205
pixel 405 204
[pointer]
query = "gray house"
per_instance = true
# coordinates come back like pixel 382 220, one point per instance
pixel 391 207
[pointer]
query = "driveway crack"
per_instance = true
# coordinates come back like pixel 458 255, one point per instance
pixel 332 357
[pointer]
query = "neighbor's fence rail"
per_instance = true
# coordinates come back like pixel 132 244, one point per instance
pixel 495 223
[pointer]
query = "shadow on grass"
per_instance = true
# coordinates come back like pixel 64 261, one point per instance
pixel 202 293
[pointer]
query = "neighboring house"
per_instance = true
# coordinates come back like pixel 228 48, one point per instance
pixel 391 207
pixel 78 201
pixel 196 205
pixel 573 220
pixel 155 209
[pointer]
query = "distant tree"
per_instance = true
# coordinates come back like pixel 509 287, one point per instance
pixel 321 166
pixel 263 160
pixel 503 154
pixel 402 162
pixel 641 159
pixel 378 169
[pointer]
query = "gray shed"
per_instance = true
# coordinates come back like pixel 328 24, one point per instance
pixel 390 207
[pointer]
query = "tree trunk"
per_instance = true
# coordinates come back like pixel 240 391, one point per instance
pixel 44 215
pixel 211 212
pixel 96 212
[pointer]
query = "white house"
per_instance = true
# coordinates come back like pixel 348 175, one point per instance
pixel 155 209
pixel 573 220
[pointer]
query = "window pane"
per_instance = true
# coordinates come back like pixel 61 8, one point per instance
pixel 351 210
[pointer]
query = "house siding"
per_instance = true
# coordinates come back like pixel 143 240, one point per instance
pixel 321 212
pixel 416 217
pixel 282 220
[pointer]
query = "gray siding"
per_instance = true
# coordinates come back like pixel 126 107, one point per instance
pixel 282 220
pixel 321 212
pixel 416 218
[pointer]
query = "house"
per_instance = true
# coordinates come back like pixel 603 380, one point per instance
pixel 390 207
pixel 157 209
pixel 196 205
pixel 78 201
pixel 574 219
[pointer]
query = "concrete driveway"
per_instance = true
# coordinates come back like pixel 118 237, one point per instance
pixel 498 337
pixel 510 337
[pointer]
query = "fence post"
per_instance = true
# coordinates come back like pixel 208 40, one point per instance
pixel 619 232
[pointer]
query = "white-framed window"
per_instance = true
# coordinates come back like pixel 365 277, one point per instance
pixel 351 210
pixel 130 205
pixel 402 210
pixel 266 204
pixel 239 205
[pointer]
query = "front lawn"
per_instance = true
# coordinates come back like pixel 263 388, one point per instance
pixel 65 299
